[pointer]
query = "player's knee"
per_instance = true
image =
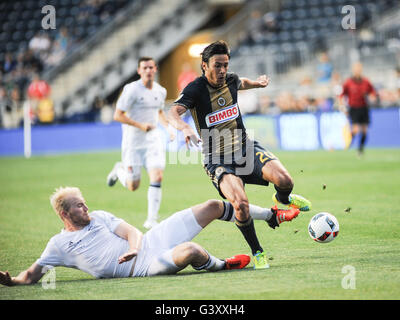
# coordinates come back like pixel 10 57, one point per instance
pixel 215 206
pixel 192 250
pixel 160 175
pixel 156 176
pixel 241 207
pixel 285 181
pixel 132 185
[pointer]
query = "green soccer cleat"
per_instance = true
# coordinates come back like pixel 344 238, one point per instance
pixel 296 201
pixel 260 260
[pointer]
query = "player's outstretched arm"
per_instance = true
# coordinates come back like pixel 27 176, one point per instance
pixel 30 276
pixel 120 116
pixel 134 238
pixel 174 118
pixel 260 82
pixel 165 123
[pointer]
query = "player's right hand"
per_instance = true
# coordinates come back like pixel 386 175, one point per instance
pixel 263 81
pixel 191 138
pixel 146 127
pixel 128 256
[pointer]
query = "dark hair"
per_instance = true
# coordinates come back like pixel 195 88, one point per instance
pixel 144 59
pixel 217 47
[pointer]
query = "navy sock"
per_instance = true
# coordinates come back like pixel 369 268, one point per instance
pixel 249 233
pixel 282 195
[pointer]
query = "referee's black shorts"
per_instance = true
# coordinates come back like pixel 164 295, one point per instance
pixel 248 167
pixel 359 115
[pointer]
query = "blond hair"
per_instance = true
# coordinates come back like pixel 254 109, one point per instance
pixel 58 199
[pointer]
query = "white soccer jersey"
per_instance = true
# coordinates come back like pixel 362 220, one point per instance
pixel 141 104
pixel 95 249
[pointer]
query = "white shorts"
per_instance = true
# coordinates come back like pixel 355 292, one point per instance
pixel 155 255
pixel 151 157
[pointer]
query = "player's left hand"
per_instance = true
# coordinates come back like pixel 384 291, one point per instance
pixel 128 256
pixel 5 279
pixel 263 81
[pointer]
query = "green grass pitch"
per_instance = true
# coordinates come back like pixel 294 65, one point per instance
pixel 368 241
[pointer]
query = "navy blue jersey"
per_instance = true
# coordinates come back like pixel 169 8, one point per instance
pixel 216 114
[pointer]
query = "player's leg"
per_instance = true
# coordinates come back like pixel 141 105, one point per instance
pixel 364 123
pixel 223 210
pixel 363 139
pixel 128 171
pixel 154 196
pixel 126 157
pixel 211 210
pixel 354 116
pixel 273 216
pixel 154 160
pixel 130 174
pixel 274 172
pixel 112 177
pixel 208 211
pixel 355 130
pixel 190 253
pixel 171 238
pixel 129 177
pixel 268 169
pixel 233 189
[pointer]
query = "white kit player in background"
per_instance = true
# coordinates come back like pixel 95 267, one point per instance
pixel 139 108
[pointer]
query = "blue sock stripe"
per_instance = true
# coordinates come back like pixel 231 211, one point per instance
pixel 155 184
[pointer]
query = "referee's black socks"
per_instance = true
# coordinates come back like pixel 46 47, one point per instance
pixel 362 142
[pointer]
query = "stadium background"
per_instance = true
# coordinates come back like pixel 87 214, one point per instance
pixel 70 77
pixel 71 73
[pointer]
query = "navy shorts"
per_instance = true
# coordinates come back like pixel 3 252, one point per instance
pixel 247 167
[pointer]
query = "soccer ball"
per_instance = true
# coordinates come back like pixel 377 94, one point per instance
pixel 323 227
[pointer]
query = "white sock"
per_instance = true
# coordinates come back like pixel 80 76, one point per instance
pixel 259 213
pixel 256 212
pixel 215 264
pixel 212 264
pixel 154 195
pixel 122 175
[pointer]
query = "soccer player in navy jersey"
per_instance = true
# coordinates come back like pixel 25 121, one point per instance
pixel 231 159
